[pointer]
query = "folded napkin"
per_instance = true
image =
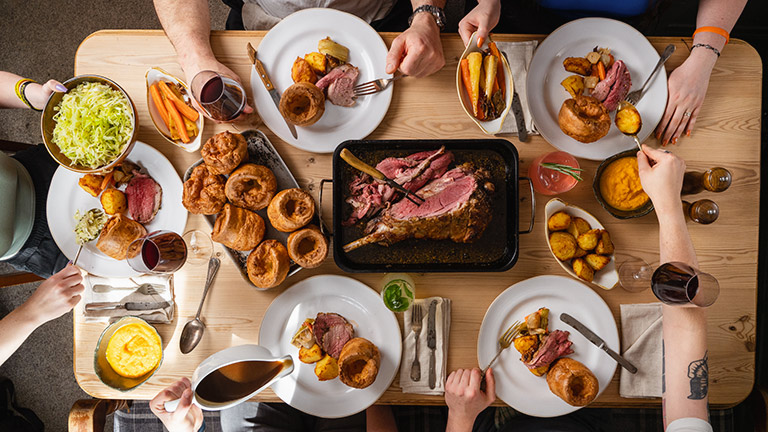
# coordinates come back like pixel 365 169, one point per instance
pixel 641 338
pixel 443 331
pixel 519 55
pixel 127 292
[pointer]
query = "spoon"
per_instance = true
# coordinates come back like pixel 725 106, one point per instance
pixel 193 330
pixel 628 121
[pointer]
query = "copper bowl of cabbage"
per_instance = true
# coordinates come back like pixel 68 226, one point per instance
pixel 92 127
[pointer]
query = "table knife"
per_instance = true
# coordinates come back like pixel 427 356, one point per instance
pixel 599 342
pixel 131 306
pixel 270 87
pixel 517 111
pixel 432 342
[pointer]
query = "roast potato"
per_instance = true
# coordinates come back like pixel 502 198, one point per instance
pixel 311 355
pixel 302 71
pixel 563 245
pixel 327 368
pixel 559 221
pixel 540 371
pixel 578 65
pixel 628 119
pixel 583 270
pixel 574 84
pixel 578 226
pixel 604 245
pixel 317 62
pixel 113 201
pixel 588 240
pixel 525 344
pixel 579 253
pixel 597 262
pixel 91 183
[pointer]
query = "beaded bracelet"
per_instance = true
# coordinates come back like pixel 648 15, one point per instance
pixel 707 46
pixel 21 85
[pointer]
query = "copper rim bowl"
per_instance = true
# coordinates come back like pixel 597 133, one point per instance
pixel 47 124
pixel 104 371
pixel 619 214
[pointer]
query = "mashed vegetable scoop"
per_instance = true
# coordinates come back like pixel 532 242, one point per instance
pixel 88 227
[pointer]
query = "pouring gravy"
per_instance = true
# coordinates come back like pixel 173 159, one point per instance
pixel 237 380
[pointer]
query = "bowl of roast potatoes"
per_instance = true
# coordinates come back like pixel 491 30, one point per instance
pixel 580 244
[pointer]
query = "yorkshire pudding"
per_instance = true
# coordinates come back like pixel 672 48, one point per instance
pixel 302 104
pixel 308 247
pixel 584 119
pixel 118 234
pixel 224 151
pixel 359 363
pixel 251 186
pixel 573 382
pixel 203 192
pixel 268 264
pixel 238 228
pixel 291 209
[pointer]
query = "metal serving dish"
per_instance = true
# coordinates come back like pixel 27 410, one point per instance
pixel 261 152
pixel 497 248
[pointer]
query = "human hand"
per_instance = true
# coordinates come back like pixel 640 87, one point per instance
pixel 418 51
pixel 664 180
pixel 188 417
pixel 687 88
pixel 482 19
pixel 38 94
pixel 55 296
pixel 464 398
pixel 193 67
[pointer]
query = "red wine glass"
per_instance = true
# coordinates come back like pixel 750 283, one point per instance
pixel 159 252
pixel 679 284
pixel 635 275
pixel 222 98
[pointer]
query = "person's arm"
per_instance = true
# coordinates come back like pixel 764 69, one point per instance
pixel 464 398
pixel 481 19
pixel 379 418
pixel 418 51
pixel 685 378
pixel 688 83
pixel 36 94
pixel 52 299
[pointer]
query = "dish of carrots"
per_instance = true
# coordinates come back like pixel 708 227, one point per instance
pixel 483 78
pixel 177 114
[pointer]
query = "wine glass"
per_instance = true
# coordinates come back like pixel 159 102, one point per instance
pixel 635 275
pixel 159 252
pixel 554 173
pixel 222 98
pixel 199 247
pixel 679 284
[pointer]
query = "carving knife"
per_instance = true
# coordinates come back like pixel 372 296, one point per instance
pixel 432 342
pixel 599 342
pixel 517 111
pixel 131 306
pixel 270 87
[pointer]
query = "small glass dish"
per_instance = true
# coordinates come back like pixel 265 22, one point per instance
pixel 619 214
pixel 101 366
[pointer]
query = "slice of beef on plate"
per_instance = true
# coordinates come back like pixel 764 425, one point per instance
pixel 332 332
pixel 556 345
pixel 144 196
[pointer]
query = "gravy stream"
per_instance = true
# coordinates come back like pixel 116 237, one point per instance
pixel 237 380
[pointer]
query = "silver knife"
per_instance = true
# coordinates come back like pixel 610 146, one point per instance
pixel 131 306
pixel 599 342
pixel 432 342
pixel 270 87
pixel 517 111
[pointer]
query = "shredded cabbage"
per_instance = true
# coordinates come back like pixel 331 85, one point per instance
pixel 89 225
pixel 93 124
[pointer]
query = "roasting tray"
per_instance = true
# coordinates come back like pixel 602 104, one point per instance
pixel 496 250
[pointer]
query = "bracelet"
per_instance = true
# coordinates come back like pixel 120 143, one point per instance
pixel 716 30
pixel 707 46
pixel 21 85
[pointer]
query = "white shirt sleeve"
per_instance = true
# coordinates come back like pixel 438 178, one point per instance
pixel 690 424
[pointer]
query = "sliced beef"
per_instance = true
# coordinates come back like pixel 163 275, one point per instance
pixel 601 90
pixel 554 346
pixel 332 332
pixel 332 76
pixel 144 196
pixel 457 207
pixel 341 92
pixel 614 88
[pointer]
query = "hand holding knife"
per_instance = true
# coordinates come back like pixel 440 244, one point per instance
pixel 597 341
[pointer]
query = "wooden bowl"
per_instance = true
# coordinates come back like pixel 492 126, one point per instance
pixel 47 125
pixel 101 366
pixel 619 214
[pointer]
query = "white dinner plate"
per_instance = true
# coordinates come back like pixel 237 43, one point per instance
pixel 65 197
pixel 364 309
pixel 515 384
pixel 576 39
pixel 297 35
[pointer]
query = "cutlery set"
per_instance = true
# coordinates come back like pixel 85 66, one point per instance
pixel 417 315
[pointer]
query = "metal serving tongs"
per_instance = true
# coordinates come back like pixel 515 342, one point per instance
pixel 378 175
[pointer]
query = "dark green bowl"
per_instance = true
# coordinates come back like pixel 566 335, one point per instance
pixel 619 214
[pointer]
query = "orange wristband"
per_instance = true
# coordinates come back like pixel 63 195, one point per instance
pixel 716 30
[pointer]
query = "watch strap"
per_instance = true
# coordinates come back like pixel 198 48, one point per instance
pixel 435 11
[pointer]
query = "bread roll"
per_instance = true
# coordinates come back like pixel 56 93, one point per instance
pixel 572 382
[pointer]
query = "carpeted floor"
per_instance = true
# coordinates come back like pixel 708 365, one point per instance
pixel 39 41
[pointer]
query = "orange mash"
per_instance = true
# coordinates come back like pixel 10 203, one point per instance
pixel 134 350
pixel 620 185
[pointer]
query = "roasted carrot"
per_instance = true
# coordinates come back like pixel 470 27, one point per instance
pixel 107 179
pixel 500 71
pixel 157 98
pixel 600 70
pixel 467 83
pixel 177 120
pixel 475 63
pixel 181 106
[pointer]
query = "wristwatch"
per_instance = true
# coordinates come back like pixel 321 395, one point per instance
pixel 434 10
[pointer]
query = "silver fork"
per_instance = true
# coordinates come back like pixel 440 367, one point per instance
pixel 416 317
pixel 505 341
pixel 374 86
pixel 635 96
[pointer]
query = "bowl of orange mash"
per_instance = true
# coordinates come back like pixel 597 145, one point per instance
pixel 128 353
pixel 618 189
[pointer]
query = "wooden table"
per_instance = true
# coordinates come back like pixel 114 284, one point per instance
pixel 727 134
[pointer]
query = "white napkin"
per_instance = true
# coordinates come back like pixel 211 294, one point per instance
pixel 443 331
pixel 519 55
pixel 163 284
pixel 641 337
